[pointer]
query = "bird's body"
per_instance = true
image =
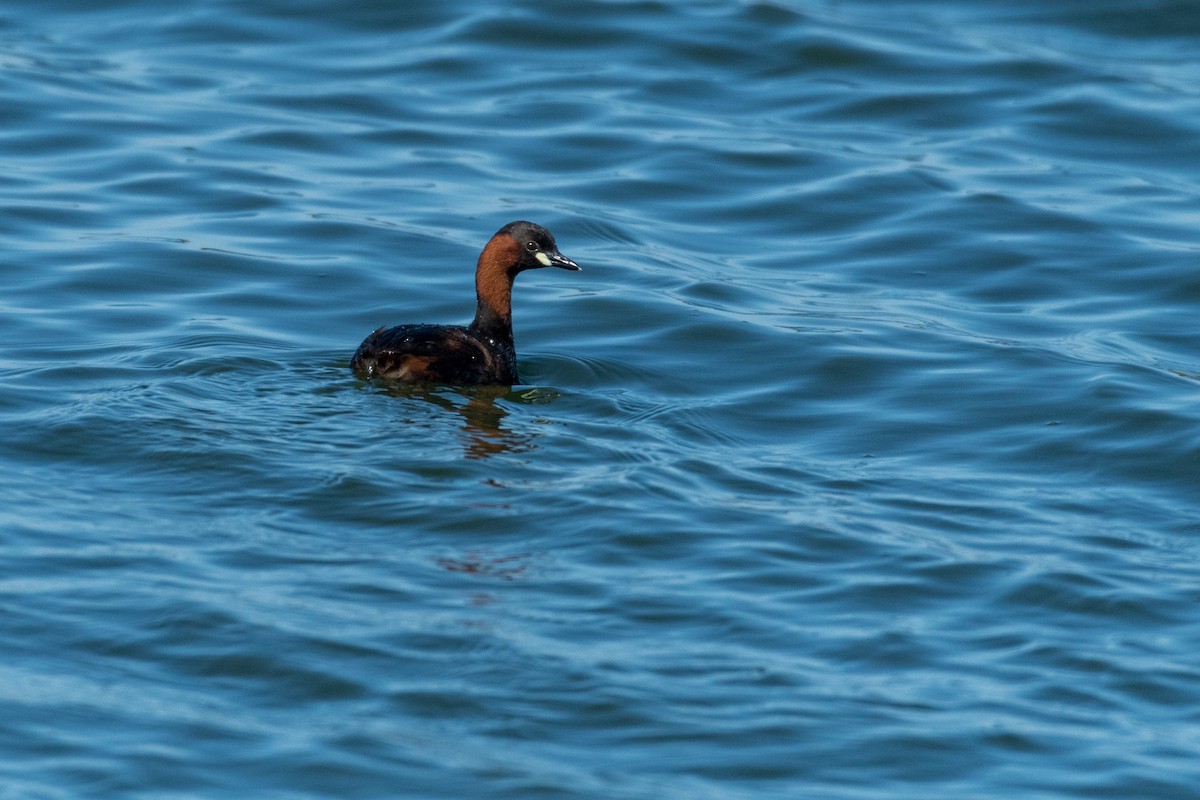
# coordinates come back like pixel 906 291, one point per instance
pixel 452 354
pixel 482 352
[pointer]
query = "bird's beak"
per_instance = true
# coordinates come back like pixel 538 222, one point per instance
pixel 556 259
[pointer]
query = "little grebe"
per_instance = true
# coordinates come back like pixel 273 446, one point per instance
pixel 482 352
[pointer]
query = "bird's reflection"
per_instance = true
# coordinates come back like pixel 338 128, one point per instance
pixel 483 418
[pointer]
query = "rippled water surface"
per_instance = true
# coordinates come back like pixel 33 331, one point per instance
pixel 861 461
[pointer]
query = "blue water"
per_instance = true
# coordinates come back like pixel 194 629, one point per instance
pixel 861 461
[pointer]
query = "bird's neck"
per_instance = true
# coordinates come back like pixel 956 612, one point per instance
pixel 493 292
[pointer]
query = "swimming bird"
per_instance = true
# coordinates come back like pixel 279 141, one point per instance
pixel 482 352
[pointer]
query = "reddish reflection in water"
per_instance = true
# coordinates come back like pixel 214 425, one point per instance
pixel 507 568
pixel 482 565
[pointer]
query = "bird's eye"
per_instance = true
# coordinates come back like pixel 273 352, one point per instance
pixel 531 246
